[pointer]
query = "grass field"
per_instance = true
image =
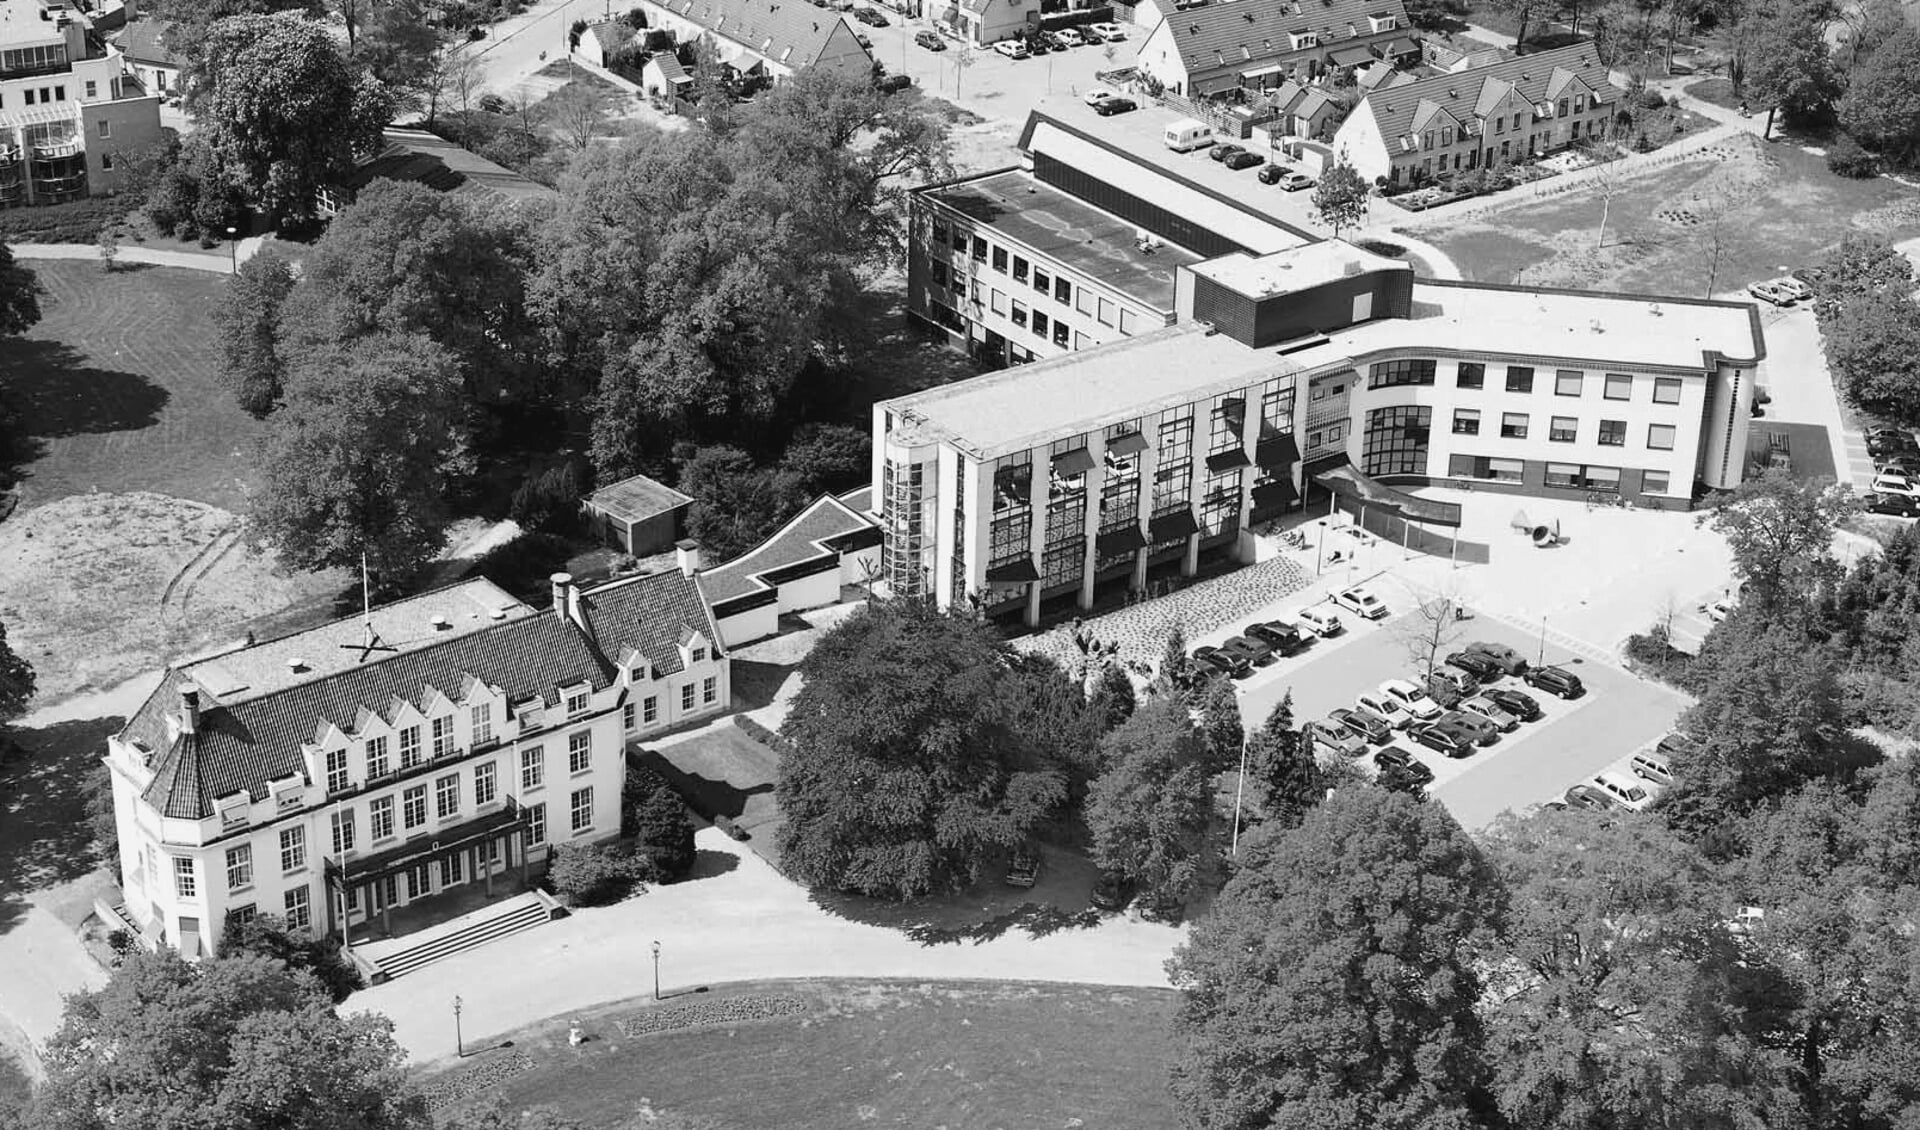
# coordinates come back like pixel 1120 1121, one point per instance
pixel 1778 208
pixel 908 1054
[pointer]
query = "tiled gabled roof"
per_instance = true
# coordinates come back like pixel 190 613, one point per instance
pixel 1460 93
pixel 147 41
pixel 793 33
pixel 1249 32
pixel 649 614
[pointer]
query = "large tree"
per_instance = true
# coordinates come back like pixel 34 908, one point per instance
pixel 1873 345
pixel 402 46
pixel 1340 199
pixel 1882 103
pixel 905 777
pixel 282 110
pixel 249 326
pixel 360 457
pixel 19 295
pixel 1283 767
pixel 1790 66
pixel 1334 982
pixel 1780 530
pixel 1151 809
pixel 234 1043
pixel 737 503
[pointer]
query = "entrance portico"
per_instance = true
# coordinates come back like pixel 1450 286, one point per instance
pixel 363 886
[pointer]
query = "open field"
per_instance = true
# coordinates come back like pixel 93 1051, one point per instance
pixel 845 1053
pixel 1766 207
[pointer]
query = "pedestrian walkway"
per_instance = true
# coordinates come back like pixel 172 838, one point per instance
pixel 221 262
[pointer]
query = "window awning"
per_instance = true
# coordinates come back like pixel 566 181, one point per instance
pixel 1269 495
pixel 1075 462
pixel 1347 483
pixel 1167 527
pixel 1124 540
pixel 1270 69
pixel 1132 443
pixel 1277 451
pixel 1013 572
pixel 1228 460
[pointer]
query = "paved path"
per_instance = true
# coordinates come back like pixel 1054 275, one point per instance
pixel 747 923
pixel 220 261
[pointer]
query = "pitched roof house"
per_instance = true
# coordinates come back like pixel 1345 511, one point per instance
pixel 776 37
pixel 1209 50
pixel 1516 108
pixel 150 50
pixel 600 42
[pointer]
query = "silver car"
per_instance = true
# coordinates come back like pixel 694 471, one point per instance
pixel 1486 708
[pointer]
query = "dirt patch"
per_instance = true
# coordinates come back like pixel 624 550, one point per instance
pixel 101 587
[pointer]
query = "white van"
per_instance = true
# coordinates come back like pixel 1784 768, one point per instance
pixel 1186 135
pixel 1630 792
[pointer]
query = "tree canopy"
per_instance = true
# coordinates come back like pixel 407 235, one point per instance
pixel 1151 809
pixel 1780 530
pixel 1882 104
pixel 19 295
pixel 1789 65
pixel 248 323
pixel 1340 199
pixel 16 681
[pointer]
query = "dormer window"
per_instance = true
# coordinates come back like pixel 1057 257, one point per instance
pixel 577 702
pixel 1303 39
pixel 1381 23
pixel 482 723
pixel 699 655
pixel 530 715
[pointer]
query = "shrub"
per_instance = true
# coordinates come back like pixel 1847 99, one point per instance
pixel 574 33
pixel 122 944
pixel 652 813
pixel 596 874
pixel 268 936
pixel 726 824
pixel 1650 100
pixel 1652 652
pixel 1847 158
pixel 635 18
pixel 548 502
pixel 78 221
pixel 523 565
pixel 772 739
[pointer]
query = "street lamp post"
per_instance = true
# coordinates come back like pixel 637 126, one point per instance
pixel 1543 643
pixel 656 971
pixel 459 1041
pixel 233 248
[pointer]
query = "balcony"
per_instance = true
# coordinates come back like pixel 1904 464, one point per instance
pixel 54 150
pixel 9 156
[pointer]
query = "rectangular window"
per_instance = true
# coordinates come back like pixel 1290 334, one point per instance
pixel 577 703
pixel 1567 382
pixel 409 747
pixel 1561 429
pixel 376 758
pixel 1660 437
pixel 1105 315
pixel 1666 390
pixel 446 796
pixel 106 127
pixel 450 870
pixel 580 752
pixel 93 91
pixel 1019 313
pixel 686 698
pixel 980 248
pixel 1513 425
pixel 1406 371
pixel 582 810
pixel 1063 292
pixel 1472 375
pixel 533 768
pixel 629 717
pixel 1466 422
pixel 1042 281
pixel 380 819
pixel 342 819
pixel 938 273
pixel 1019 269
pixel 293 848
pixel 710 690
pixel 650 709
pixel 183 879
pixel 443 736
pixel 106 162
pixel 240 867
pixel 337 780
pixel 1519 378
pixel 482 723
pixel 413 807
pixel 1613 433
pixel 1083 301
pixel 242 915
pixel 1653 482
pixel 1563 475
pixel 1601 479
pixel 537 823
pixel 1040 324
pixel 1619 386
pixel 485 783
pixel 299 904
pixel 1000 259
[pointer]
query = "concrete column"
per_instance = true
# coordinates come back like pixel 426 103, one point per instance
pixel 1190 564
pixel 487 866
pixel 1096 481
pixel 1149 460
pixel 386 909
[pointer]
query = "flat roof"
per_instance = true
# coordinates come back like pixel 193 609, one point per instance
pixel 1081 237
pixel 21 25
pixel 801 539
pixel 636 499
pixel 1021 407
pixel 1300 269
pixel 403 626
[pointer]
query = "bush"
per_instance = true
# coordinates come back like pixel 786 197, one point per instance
pixel 726 824
pixel 1650 651
pixel 635 18
pixel 549 502
pixel 1847 158
pixel 772 739
pixel 1650 100
pixel 652 813
pixel 523 565
pixel 78 221
pixel 268 936
pixel 596 874
pixel 122 944
pixel 574 33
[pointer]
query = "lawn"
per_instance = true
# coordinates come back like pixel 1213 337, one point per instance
pixel 1778 207
pixel 838 1054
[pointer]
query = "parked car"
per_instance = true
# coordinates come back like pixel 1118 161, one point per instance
pixel 1238 161
pixel 1225 150
pixel 1589 798
pixel 1480 706
pixel 1416 701
pixel 1319 621
pixel 1897 505
pixel 1041 42
pixel 1363 724
pixel 1520 704
pixel 1772 293
pixel 1675 743
pixel 1510 661
pixel 1440 739
pixel 1112 892
pixel 1903 464
pixel 1111 106
pixel 870 17
pixel 1555 680
pixel 1394 755
pixel 1254 652
pixel 1098 95
pixel 1442 692
pixel 1289 179
pixel 894 84
pixel 1800 290
pixel 1469 725
pixel 1463 683
pixel 1335 739
pixel 1362 603
pixel 1282 637
pixel 1892 482
pixel 1719 610
pixel 1484 668
pixel 1012 49
pixel 1024 869
pixel 1386 709
pixel 1628 792
pixel 1068 37
pixel 1112 33
pixel 1651 767
pixel 1220 661
pixel 1884 441
pixel 930 41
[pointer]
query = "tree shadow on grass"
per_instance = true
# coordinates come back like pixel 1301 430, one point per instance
pixel 708 864
pixel 45 839
pixel 53 392
pixel 707 796
pixel 755 683
pixel 1033 919
pixel 961 918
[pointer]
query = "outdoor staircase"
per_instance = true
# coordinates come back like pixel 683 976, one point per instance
pixel 523 912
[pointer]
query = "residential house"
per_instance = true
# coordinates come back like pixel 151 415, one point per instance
pixel 1517 108
pixel 983 22
pixel 600 43
pixel 775 38
pixel 1215 49
pixel 440 742
pixel 1305 111
pixel 150 53
pixel 72 112
pixel 664 77
pixel 429 159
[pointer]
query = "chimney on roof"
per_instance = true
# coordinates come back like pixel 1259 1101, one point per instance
pixel 189 708
pixel 562 593
pixel 686 554
pixel 441 623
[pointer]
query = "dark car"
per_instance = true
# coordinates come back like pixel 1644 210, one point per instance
pixel 1520 704
pixel 1555 680
pixel 1253 651
pixel 1284 639
pixel 1112 892
pixel 1509 660
pixel 1887 442
pixel 1214 659
pixel 893 84
pixel 1483 667
pixel 1238 161
pixel 1111 106
pixel 1908 465
pixel 870 17
pixel 1589 798
pixel 1363 724
pixel 1039 43
pixel 1394 755
pixel 1024 869
pixel 1272 173
pixel 1472 727
pixel 1676 743
pixel 930 41
pixel 1441 739
pixel 1897 505
pixel 1440 691
pixel 1222 152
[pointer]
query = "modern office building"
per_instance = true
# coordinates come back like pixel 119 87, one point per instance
pixel 71 109
pixel 445 741
pixel 1092 467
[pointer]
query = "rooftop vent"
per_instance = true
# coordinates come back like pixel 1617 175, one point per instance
pixel 1247 16
pixel 497 614
pixel 296 665
pixel 441 623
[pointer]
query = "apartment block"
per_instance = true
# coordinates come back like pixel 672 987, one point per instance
pixel 71 110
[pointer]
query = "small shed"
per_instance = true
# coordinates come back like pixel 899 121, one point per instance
pixel 600 43
pixel 638 515
pixel 664 77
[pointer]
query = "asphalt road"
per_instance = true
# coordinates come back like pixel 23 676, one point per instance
pixel 1574 740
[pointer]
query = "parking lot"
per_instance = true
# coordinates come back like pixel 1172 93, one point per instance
pixel 1618 715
